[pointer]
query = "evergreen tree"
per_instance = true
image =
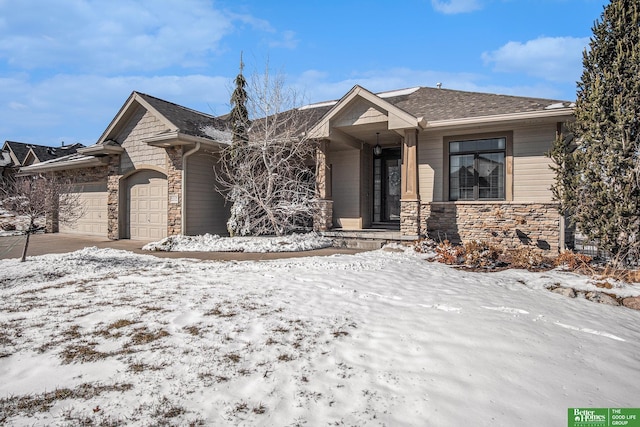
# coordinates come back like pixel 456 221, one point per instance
pixel 239 115
pixel 598 177
pixel 234 157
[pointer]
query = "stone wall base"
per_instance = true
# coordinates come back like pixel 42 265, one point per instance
pixel 410 217
pixel 323 219
pixel 507 224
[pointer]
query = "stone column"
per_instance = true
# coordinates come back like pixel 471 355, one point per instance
pixel 52 223
pixel 174 184
pixel 113 199
pixel 323 220
pixel 410 198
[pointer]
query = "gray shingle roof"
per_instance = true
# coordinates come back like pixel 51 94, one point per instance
pixel 20 149
pixel 435 104
pixel 187 120
pixel 445 104
pixel 42 152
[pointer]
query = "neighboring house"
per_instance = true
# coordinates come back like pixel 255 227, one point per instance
pixel 15 155
pixel 450 164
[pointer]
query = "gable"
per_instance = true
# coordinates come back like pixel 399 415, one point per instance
pixel 360 112
pixel 360 107
pixel 140 125
pixel 17 151
pixel 30 159
pixel 129 112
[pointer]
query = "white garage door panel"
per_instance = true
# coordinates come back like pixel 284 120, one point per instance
pixel 147 194
pixel 93 198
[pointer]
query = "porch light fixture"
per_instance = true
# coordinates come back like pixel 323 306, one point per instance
pixel 377 150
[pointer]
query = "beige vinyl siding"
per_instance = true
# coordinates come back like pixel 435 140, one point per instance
pixel 205 208
pixel 430 163
pixel 532 177
pixel 93 199
pixel 345 172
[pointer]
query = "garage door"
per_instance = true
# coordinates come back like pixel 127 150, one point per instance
pixel 147 197
pixel 93 199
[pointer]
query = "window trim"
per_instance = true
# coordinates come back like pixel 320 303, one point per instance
pixel 508 185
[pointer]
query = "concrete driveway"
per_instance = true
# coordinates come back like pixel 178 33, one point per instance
pixel 41 244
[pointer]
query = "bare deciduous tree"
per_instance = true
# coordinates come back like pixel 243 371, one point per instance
pixel 40 197
pixel 269 177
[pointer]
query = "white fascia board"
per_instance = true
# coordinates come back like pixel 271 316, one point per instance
pixel 100 149
pixel 560 114
pixel 65 165
pixel 176 139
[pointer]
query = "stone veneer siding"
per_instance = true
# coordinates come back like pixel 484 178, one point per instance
pixel 174 184
pixel 113 201
pixel 507 224
pixel 410 217
pixel 323 218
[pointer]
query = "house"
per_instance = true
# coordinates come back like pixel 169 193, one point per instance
pixel 450 164
pixel 427 161
pixel 149 175
pixel 15 155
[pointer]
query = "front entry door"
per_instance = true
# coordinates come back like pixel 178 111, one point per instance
pixel 386 186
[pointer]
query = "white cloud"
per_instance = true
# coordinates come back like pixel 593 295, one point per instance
pixel 317 87
pixel 111 36
pixel 456 6
pixel 288 41
pixel 77 108
pixel 557 59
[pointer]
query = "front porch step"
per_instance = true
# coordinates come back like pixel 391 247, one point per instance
pixel 371 239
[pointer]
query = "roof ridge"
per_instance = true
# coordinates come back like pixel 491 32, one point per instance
pixel 175 104
pixel 492 94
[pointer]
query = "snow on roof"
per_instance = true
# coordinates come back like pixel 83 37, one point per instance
pixel 218 135
pixel 318 105
pixel 559 105
pixel 387 94
pixel 399 92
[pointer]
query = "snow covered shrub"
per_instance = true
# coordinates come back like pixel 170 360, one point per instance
pixel 8 226
pixel 424 245
pixel 480 254
pixel 449 254
pixel 572 260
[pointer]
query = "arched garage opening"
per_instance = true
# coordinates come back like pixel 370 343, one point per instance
pixel 146 201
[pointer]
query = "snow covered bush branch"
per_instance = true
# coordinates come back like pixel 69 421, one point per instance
pixel 267 172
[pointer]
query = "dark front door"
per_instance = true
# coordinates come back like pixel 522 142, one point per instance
pixel 386 186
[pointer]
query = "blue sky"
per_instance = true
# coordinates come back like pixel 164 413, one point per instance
pixel 67 66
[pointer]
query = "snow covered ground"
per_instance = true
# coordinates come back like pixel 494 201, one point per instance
pixel 106 337
pixel 262 244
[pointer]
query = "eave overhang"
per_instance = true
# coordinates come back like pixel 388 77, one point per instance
pixel 87 162
pixel 101 150
pixel 177 139
pixel 558 114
